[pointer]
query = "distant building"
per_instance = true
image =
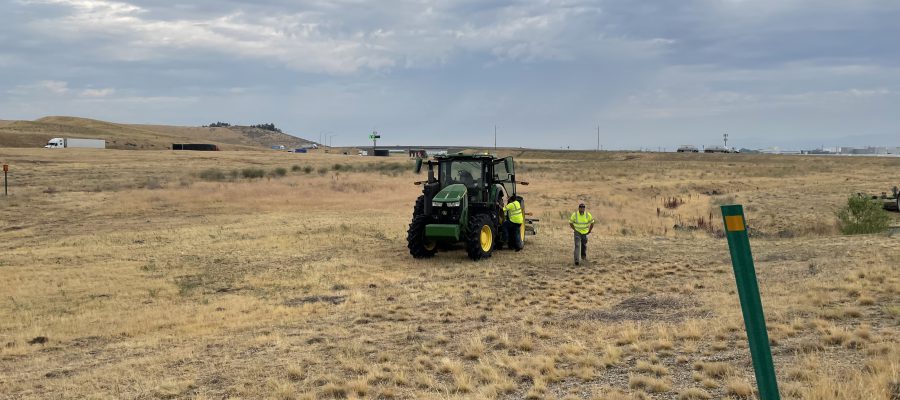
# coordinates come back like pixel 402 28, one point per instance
pixel 815 152
pixel 861 151
pixel 425 153
pixel 776 150
pixel 687 148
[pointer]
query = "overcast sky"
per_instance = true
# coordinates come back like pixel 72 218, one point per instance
pixel 650 74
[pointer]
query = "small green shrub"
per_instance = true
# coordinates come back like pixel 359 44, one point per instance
pixel 392 169
pixel 296 168
pixel 279 172
pixel 251 173
pixel 322 170
pixel 307 169
pixel 337 167
pixel 212 174
pixel 862 215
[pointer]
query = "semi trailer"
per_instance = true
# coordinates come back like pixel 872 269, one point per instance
pixel 63 143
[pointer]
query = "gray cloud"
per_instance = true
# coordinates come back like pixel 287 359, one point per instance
pixel 650 74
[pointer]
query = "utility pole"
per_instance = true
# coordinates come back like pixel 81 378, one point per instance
pixel 598 137
pixel 725 136
pixel 495 139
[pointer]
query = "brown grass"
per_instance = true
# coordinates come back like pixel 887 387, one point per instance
pixel 134 278
pixel 650 384
pixel 738 388
pixel 693 394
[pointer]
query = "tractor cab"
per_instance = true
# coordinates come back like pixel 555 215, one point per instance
pixel 477 174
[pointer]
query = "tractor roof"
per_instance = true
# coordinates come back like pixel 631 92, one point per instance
pixel 466 156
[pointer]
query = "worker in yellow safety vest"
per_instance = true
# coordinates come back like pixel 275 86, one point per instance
pixel 582 223
pixel 513 223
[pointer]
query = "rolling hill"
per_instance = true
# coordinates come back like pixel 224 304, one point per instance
pixel 140 137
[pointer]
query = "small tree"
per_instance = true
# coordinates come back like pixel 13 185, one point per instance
pixel 862 215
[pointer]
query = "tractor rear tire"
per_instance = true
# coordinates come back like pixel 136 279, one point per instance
pixel 481 237
pixel 522 234
pixel 419 246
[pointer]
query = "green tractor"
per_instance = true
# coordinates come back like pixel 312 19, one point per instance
pixel 463 203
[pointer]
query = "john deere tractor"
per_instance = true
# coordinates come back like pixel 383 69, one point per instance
pixel 462 202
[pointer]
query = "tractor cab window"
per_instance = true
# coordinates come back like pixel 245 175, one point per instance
pixel 468 173
pixel 501 175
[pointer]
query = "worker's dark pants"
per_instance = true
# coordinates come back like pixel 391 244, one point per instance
pixel 512 234
pixel 580 246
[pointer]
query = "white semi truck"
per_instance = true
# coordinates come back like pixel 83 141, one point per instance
pixel 62 143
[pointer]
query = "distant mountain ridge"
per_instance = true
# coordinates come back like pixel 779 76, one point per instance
pixel 141 137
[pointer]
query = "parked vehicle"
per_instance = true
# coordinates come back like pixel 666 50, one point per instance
pixel 62 143
pixel 195 146
pixel 715 149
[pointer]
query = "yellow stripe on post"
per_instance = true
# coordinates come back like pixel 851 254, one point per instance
pixel 734 223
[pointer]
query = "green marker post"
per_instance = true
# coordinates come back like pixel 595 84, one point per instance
pixel 751 305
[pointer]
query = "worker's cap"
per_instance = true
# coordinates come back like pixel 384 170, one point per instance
pixel 581 205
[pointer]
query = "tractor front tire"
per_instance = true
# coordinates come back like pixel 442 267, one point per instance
pixel 481 237
pixel 419 207
pixel 419 246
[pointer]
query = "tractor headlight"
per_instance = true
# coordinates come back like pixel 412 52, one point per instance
pixel 448 204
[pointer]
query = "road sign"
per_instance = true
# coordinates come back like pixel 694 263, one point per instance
pixel 751 305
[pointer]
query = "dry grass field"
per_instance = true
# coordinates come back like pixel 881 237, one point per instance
pixel 158 274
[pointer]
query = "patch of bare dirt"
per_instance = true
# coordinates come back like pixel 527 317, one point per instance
pixel 644 308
